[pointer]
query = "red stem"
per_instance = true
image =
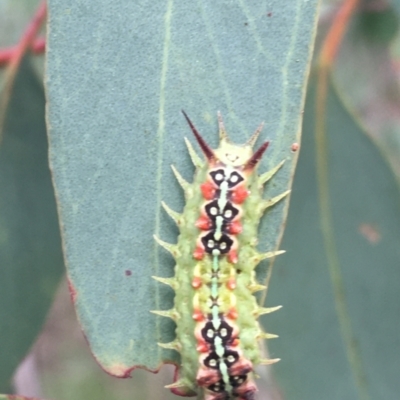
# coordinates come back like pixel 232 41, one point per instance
pixel 13 55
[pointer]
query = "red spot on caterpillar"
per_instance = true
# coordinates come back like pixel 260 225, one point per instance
pixel 246 390
pixel 242 367
pixel 239 195
pixel 198 315
pixel 232 256
pixel 128 272
pixel 207 377
pixel 203 347
pixel 232 313
pixel 198 253
pixel 203 223
pixel 231 284
pixel 294 147
pixel 196 282
pixel 208 190
pixel 234 228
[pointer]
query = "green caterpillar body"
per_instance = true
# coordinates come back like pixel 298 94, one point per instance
pixel 215 311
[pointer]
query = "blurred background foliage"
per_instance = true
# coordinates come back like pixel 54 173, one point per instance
pixel 354 307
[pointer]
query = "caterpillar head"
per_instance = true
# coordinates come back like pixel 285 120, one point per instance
pixel 228 153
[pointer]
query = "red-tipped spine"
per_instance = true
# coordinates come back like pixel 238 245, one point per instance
pixel 207 150
pixel 256 157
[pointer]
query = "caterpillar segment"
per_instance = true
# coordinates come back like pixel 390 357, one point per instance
pixel 216 256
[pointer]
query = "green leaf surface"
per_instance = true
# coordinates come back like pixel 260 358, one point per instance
pixel 396 5
pixel 30 245
pixel 118 76
pixel 366 212
pixel 366 78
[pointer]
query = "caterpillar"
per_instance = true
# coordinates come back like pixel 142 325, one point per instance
pixel 215 311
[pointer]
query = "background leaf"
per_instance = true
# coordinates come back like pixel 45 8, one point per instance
pixel 366 213
pixel 30 246
pixel 14 17
pixel 366 78
pixel 117 78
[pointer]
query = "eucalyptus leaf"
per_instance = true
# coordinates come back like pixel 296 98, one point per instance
pixel 366 80
pixel 30 245
pixel 365 203
pixel 118 76
pixel 14 17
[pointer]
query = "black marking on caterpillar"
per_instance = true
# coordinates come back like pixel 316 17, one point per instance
pixel 218 357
